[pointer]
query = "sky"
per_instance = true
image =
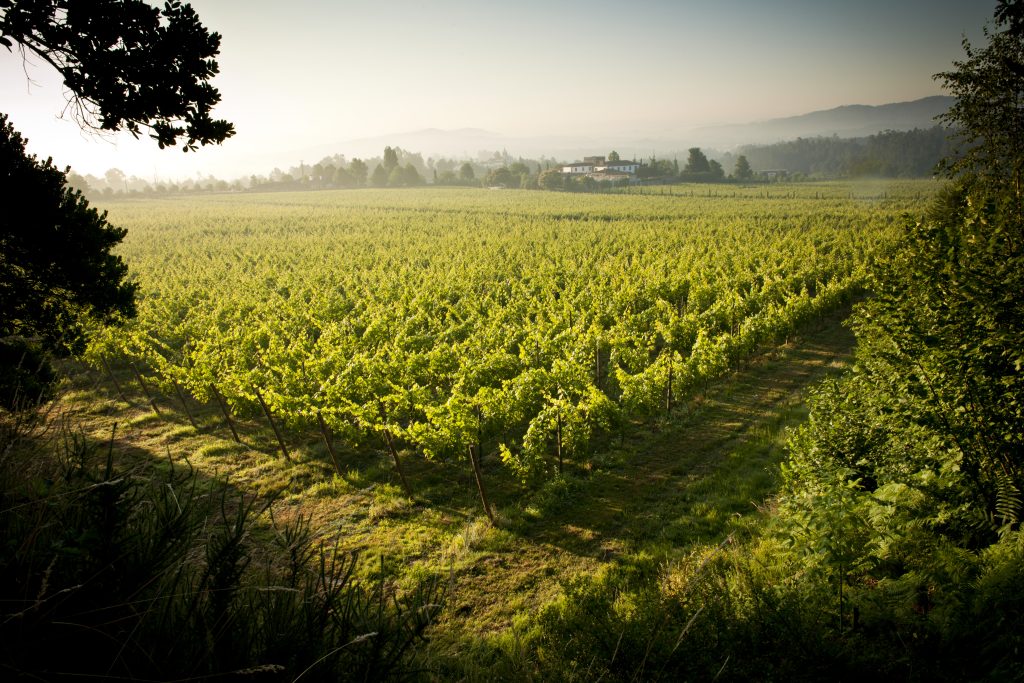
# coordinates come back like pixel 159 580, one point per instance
pixel 308 73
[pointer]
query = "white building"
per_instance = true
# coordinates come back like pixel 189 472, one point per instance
pixel 599 166
pixel 578 168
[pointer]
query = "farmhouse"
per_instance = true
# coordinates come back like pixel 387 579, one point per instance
pixel 601 168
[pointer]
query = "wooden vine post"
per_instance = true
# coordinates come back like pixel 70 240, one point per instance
pixel 558 439
pixel 398 464
pixel 227 414
pixel 474 458
pixel 273 425
pixel 325 432
pixel 184 404
pixel 145 389
pixel 668 385
pixel 480 483
pixel 113 379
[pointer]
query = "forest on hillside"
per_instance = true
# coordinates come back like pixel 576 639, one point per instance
pixel 891 154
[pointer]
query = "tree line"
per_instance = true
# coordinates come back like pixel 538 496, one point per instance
pixel 890 154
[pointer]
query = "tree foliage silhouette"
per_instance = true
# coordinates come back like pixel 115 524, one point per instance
pixel 987 115
pixel 126 65
pixel 56 265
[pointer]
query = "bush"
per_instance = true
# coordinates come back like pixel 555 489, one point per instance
pixel 26 377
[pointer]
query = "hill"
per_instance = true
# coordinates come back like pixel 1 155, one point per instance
pixel 849 121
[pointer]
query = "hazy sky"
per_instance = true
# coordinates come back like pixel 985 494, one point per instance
pixel 308 72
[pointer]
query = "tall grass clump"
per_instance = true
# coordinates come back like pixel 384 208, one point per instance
pixel 153 572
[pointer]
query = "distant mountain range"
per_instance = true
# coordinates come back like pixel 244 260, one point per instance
pixel 468 143
pixel 850 121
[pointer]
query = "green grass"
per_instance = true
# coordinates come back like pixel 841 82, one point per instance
pixel 696 476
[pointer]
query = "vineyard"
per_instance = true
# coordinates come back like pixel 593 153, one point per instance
pixel 454 325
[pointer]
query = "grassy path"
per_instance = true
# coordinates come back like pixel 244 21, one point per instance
pixel 691 478
pixel 694 477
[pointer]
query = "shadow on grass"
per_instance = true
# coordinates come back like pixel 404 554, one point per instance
pixel 695 476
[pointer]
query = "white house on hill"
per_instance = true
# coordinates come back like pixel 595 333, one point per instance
pixel 599 166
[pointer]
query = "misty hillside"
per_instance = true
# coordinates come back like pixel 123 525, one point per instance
pixel 849 121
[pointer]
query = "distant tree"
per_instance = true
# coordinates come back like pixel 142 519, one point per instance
pixel 656 168
pixel 411 176
pixel 742 171
pixel 647 170
pixel 501 176
pixel 552 179
pixel 396 178
pixel 466 172
pixel 380 176
pixel 343 178
pixel 78 182
pixel 715 170
pixel 359 171
pixel 697 162
pixel 126 65
pixel 416 159
pixel 404 176
pixel 116 179
pixel 390 159
pixel 613 156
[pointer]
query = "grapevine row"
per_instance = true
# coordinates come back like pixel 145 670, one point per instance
pixel 469 323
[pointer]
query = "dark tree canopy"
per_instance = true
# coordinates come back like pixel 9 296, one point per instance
pixel 390 159
pixel 501 177
pixel 697 162
pixel 925 437
pixel 989 89
pixel 359 171
pixel 126 65
pixel 56 265
pixel 742 170
pixel 380 176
